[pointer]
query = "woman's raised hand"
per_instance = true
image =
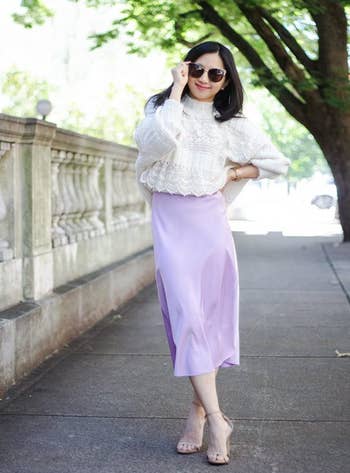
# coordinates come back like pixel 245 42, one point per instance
pixel 180 73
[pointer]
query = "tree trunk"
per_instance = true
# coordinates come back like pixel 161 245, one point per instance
pixel 333 136
pixel 340 167
pixel 342 179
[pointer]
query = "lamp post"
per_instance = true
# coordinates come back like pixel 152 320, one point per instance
pixel 44 107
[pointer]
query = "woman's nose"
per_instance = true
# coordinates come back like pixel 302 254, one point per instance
pixel 204 77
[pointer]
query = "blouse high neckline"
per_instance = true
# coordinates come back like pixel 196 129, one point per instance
pixel 197 107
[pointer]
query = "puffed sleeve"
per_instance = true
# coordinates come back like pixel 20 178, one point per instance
pixel 156 136
pixel 247 144
pixel 261 152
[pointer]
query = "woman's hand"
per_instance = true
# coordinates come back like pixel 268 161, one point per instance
pixel 246 171
pixel 231 173
pixel 180 74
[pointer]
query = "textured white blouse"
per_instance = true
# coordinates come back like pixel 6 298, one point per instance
pixel 182 149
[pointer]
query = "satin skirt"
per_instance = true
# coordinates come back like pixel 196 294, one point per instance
pixel 197 280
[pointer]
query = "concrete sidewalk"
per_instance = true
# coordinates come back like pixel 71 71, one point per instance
pixel 110 403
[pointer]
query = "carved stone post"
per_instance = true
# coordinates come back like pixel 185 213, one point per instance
pixel 35 159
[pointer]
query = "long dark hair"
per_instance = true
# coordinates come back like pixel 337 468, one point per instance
pixel 229 101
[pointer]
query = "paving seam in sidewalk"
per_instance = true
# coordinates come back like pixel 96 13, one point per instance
pixel 330 262
pixel 163 354
pixel 70 348
pixel 252 419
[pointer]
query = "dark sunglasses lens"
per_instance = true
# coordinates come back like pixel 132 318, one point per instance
pixel 195 70
pixel 215 75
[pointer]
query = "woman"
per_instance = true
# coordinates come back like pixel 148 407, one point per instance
pixel 196 152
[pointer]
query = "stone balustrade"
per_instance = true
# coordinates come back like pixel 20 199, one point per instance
pixel 69 205
pixel 75 239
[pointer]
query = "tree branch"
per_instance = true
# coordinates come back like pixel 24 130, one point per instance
pixel 331 22
pixel 178 29
pixel 289 40
pixel 285 62
pixel 190 44
pixel 291 103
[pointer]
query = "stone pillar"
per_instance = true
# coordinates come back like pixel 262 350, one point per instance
pixel 35 161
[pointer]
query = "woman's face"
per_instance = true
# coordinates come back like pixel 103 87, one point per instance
pixel 202 88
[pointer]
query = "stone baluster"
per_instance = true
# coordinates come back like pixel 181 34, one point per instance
pixel 106 176
pixel 93 197
pixel 64 192
pixel 81 205
pixel 73 198
pixel 84 186
pixel 97 201
pixel 119 217
pixel 115 188
pixel 6 252
pixel 86 202
pixel 58 234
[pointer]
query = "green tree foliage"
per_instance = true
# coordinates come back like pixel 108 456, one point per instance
pixel 297 49
pixel 111 122
pixel 181 26
pixel 22 92
pixel 279 39
pixel 33 12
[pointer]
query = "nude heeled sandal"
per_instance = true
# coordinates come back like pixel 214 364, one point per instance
pixel 195 447
pixel 213 457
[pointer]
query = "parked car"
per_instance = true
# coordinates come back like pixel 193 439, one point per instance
pixel 325 194
pixel 323 201
pixel 324 191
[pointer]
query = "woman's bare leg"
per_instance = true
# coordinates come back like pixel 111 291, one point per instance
pixel 193 432
pixel 195 395
pixel 191 439
pixel 205 388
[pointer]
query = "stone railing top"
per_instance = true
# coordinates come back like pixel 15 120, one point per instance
pixel 33 130
pixel 73 141
pixel 26 130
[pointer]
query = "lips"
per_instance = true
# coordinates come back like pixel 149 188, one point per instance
pixel 202 87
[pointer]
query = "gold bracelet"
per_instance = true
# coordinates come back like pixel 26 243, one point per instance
pixel 236 178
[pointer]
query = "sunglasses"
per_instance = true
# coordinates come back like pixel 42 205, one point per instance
pixel 197 70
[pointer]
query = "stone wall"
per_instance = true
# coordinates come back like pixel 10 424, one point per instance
pixel 69 207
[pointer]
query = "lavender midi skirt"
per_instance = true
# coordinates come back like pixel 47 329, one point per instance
pixel 197 281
